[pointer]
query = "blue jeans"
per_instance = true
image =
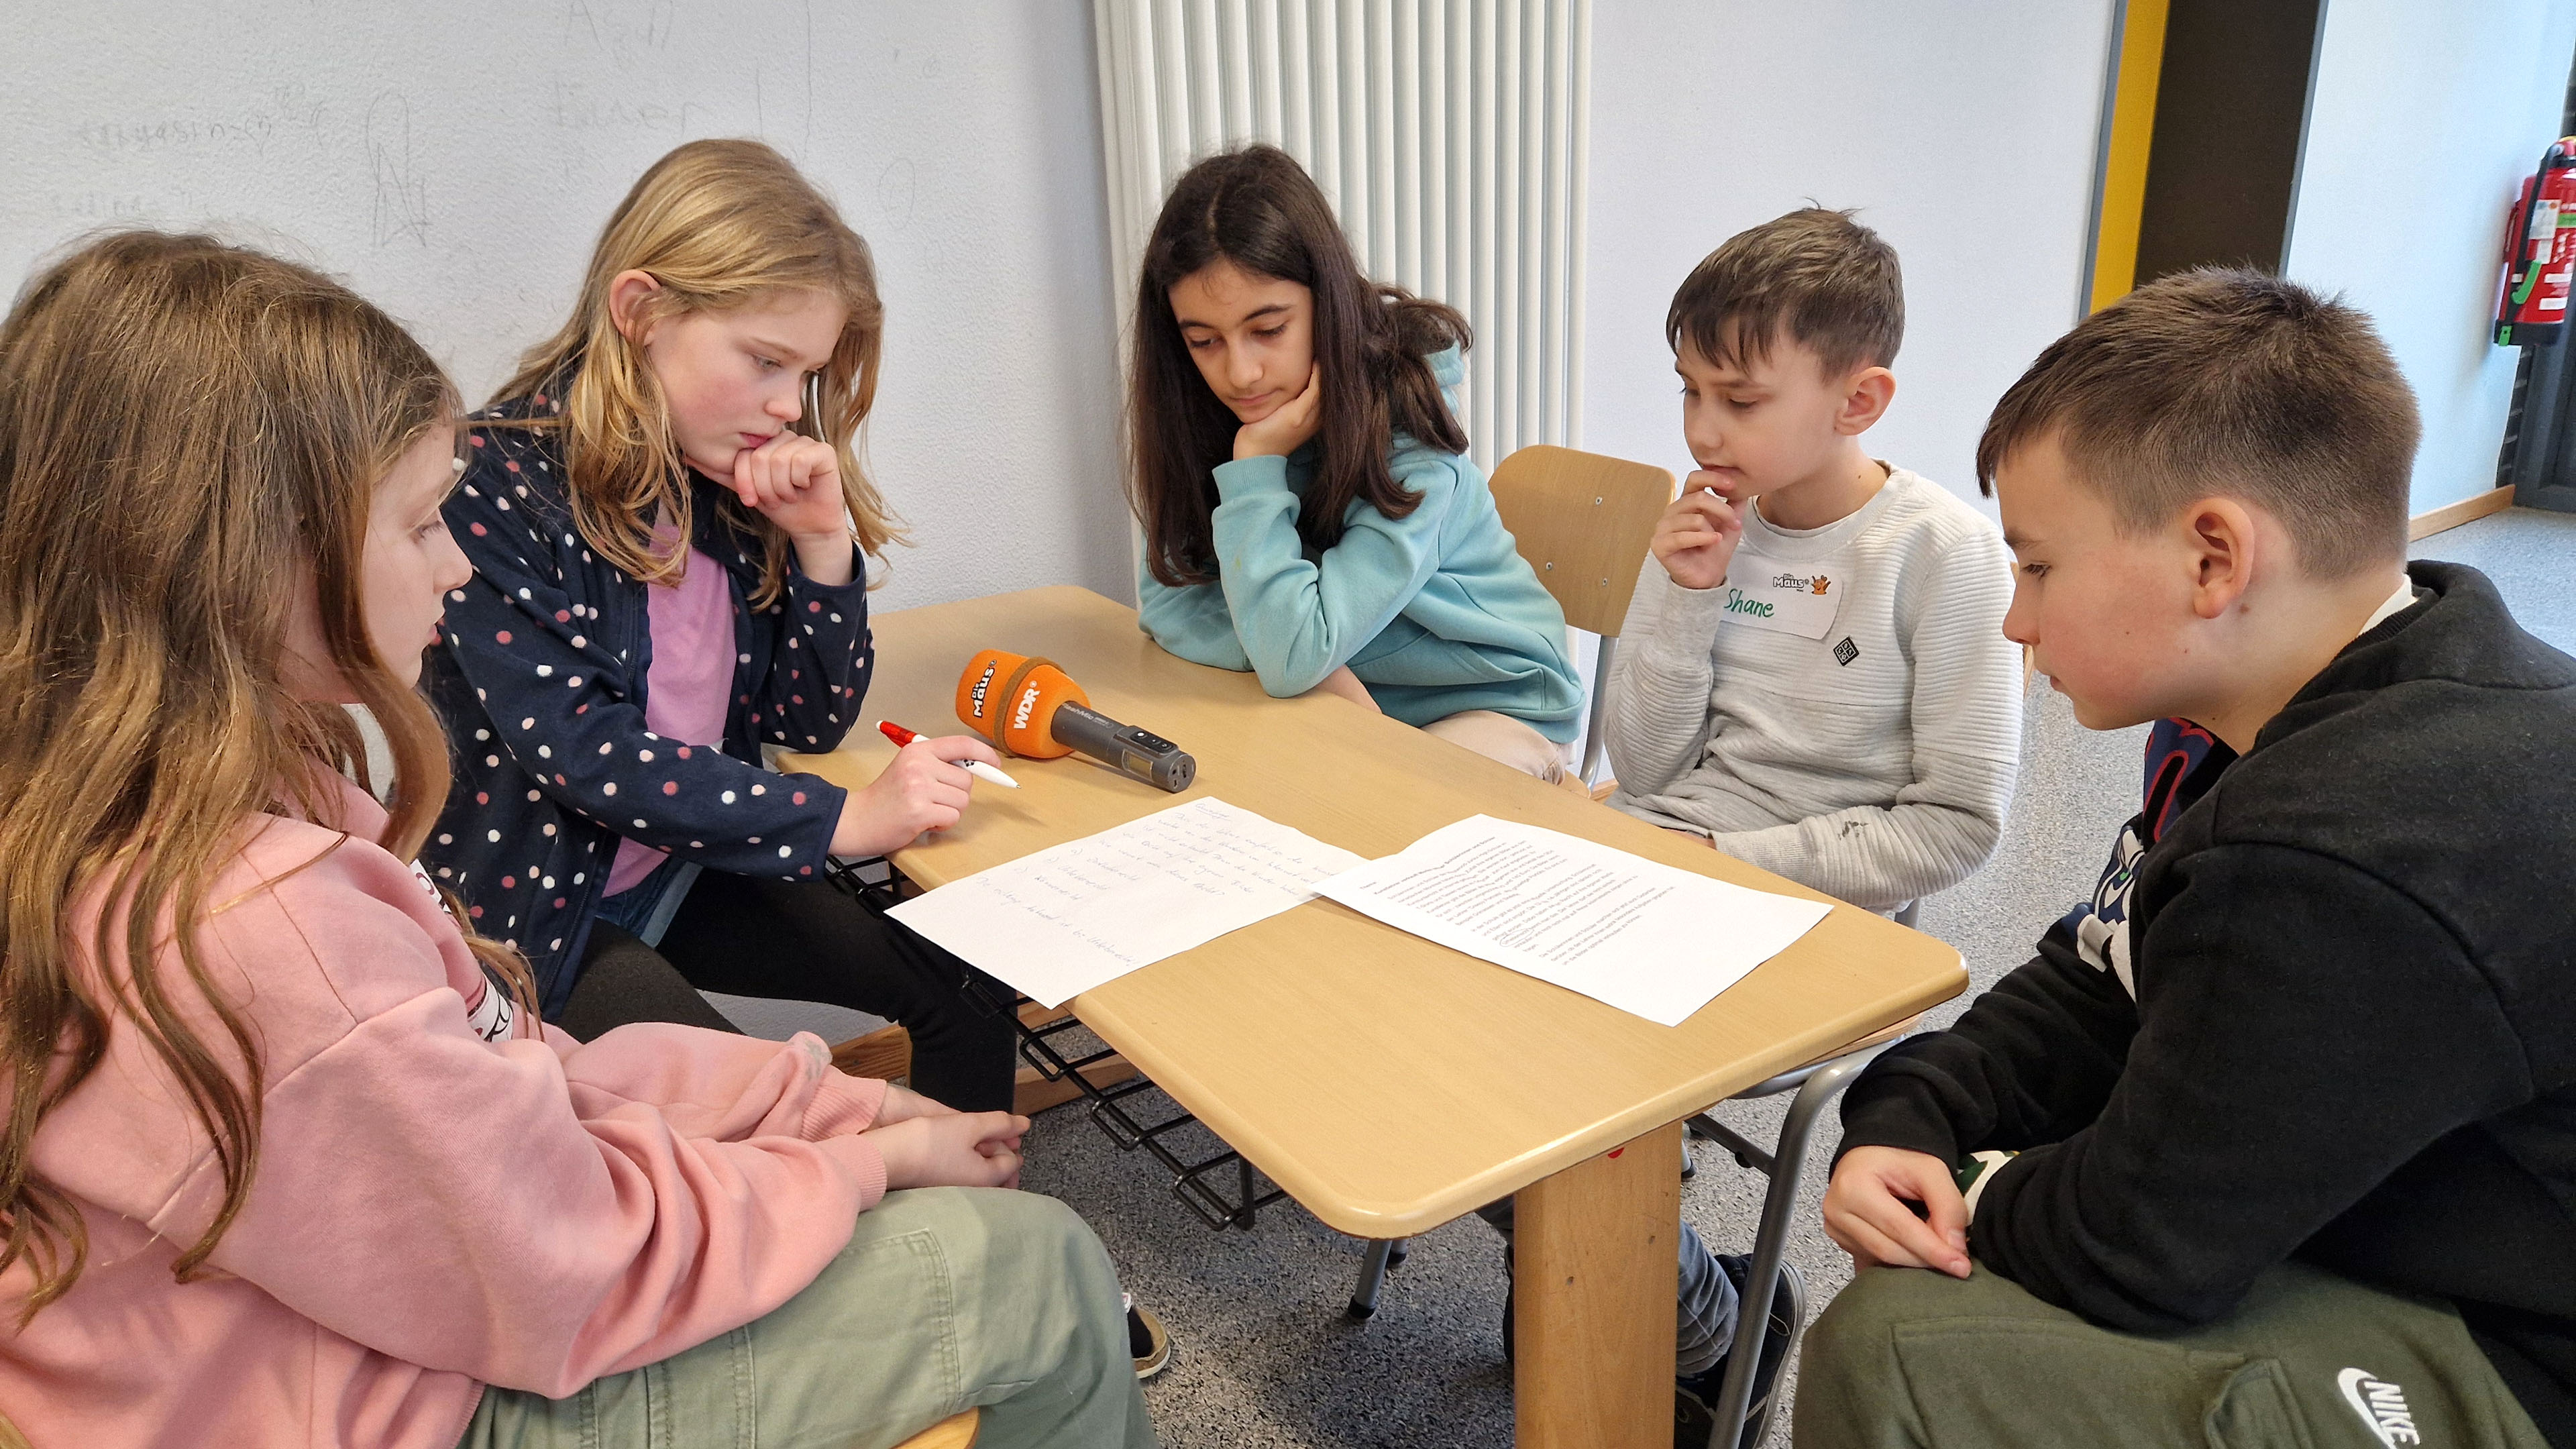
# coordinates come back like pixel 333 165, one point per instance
pixel 1703 1310
pixel 644 909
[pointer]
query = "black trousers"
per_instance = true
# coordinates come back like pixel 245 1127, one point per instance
pixel 803 941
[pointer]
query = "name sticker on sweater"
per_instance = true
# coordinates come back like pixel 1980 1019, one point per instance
pixel 1764 593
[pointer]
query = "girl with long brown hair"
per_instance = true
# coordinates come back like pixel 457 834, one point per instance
pixel 288 1156
pixel 1310 511
pixel 670 530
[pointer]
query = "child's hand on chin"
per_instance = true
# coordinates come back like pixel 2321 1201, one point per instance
pixel 796 481
pixel 1289 425
pixel 1695 539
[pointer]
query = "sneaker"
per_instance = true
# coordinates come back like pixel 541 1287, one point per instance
pixel 1695 1398
pixel 1147 1339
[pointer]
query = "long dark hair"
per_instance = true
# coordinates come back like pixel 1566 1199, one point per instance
pixel 1257 208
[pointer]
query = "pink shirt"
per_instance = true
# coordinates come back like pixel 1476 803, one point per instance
pixel 431 1212
pixel 692 675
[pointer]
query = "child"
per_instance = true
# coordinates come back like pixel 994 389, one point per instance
pixel 666 523
pixel 291 1160
pixel 1815 675
pixel 2295 1166
pixel 1309 509
pixel 1813 672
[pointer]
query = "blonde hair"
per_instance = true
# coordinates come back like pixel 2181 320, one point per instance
pixel 718 224
pixel 185 427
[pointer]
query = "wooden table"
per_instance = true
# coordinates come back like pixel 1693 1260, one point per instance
pixel 1389 1084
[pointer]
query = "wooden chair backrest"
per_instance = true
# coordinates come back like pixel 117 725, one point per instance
pixel 954 1432
pixel 1583 521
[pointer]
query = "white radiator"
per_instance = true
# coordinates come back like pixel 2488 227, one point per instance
pixel 1448 134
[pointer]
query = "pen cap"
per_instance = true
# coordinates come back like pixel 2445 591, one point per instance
pixel 1011 700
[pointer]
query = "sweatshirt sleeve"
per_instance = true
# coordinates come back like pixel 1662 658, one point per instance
pixel 561 705
pixel 820 673
pixel 2031 1061
pixel 1300 621
pixel 2270 1087
pixel 707 1088
pixel 1656 724
pixel 521 1212
pixel 1189 620
pixel 1965 712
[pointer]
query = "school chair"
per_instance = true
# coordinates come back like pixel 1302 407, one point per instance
pixel 1817 1084
pixel 1583 521
pixel 957 1431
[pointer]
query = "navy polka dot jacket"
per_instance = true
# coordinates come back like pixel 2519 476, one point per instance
pixel 541 679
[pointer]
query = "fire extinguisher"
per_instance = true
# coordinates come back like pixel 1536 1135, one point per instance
pixel 2539 252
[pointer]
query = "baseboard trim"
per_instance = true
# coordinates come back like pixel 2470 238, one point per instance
pixel 2452 515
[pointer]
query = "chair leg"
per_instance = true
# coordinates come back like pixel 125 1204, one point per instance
pixel 1771 1243
pixel 1382 1254
pixel 1909 913
pixel 1595 748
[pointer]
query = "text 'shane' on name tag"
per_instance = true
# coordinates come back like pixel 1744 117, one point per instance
pixel 1764 593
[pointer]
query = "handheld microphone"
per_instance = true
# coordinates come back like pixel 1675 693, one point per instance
pixel 1028 706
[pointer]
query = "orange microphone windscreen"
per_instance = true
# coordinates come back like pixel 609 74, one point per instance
pixel 1011 699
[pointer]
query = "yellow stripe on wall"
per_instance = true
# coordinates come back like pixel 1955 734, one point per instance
pixel 2124 169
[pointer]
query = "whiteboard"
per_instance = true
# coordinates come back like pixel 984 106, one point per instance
pixel 455 163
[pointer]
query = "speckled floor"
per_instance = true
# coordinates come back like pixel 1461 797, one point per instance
pixel 2531 555
pixel 1265 1356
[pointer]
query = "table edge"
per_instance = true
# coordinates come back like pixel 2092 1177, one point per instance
pixel 1363 1218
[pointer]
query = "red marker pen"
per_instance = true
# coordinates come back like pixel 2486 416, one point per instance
pixel 976 768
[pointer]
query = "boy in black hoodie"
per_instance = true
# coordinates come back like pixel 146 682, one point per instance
pixel 2298 1165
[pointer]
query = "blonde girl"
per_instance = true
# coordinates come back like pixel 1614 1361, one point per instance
pixel 288 1159
pixel 669 532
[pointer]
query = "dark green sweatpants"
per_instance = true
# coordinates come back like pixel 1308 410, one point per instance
pixel 1906 1358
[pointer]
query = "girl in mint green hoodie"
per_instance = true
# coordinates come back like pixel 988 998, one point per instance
pixel 1309 508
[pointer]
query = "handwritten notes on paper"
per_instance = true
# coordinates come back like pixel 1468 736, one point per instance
pixel 1062 921
pixel 1644 937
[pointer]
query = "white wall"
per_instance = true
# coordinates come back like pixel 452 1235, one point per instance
pixel 1965 133
pixel 455 162
pixel 2417 131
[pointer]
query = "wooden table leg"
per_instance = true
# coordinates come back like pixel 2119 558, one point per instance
pixel 1594 1276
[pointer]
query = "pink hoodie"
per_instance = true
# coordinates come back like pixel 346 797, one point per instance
pixel 430 1212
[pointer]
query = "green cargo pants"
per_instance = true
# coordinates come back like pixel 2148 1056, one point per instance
pixel 1907 1357
pixel 945 1298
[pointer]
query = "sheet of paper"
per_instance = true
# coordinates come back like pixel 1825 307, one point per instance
pixel 1643 937
pixel 1062 921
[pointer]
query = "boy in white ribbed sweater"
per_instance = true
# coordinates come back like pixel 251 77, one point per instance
pixel 1814 673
